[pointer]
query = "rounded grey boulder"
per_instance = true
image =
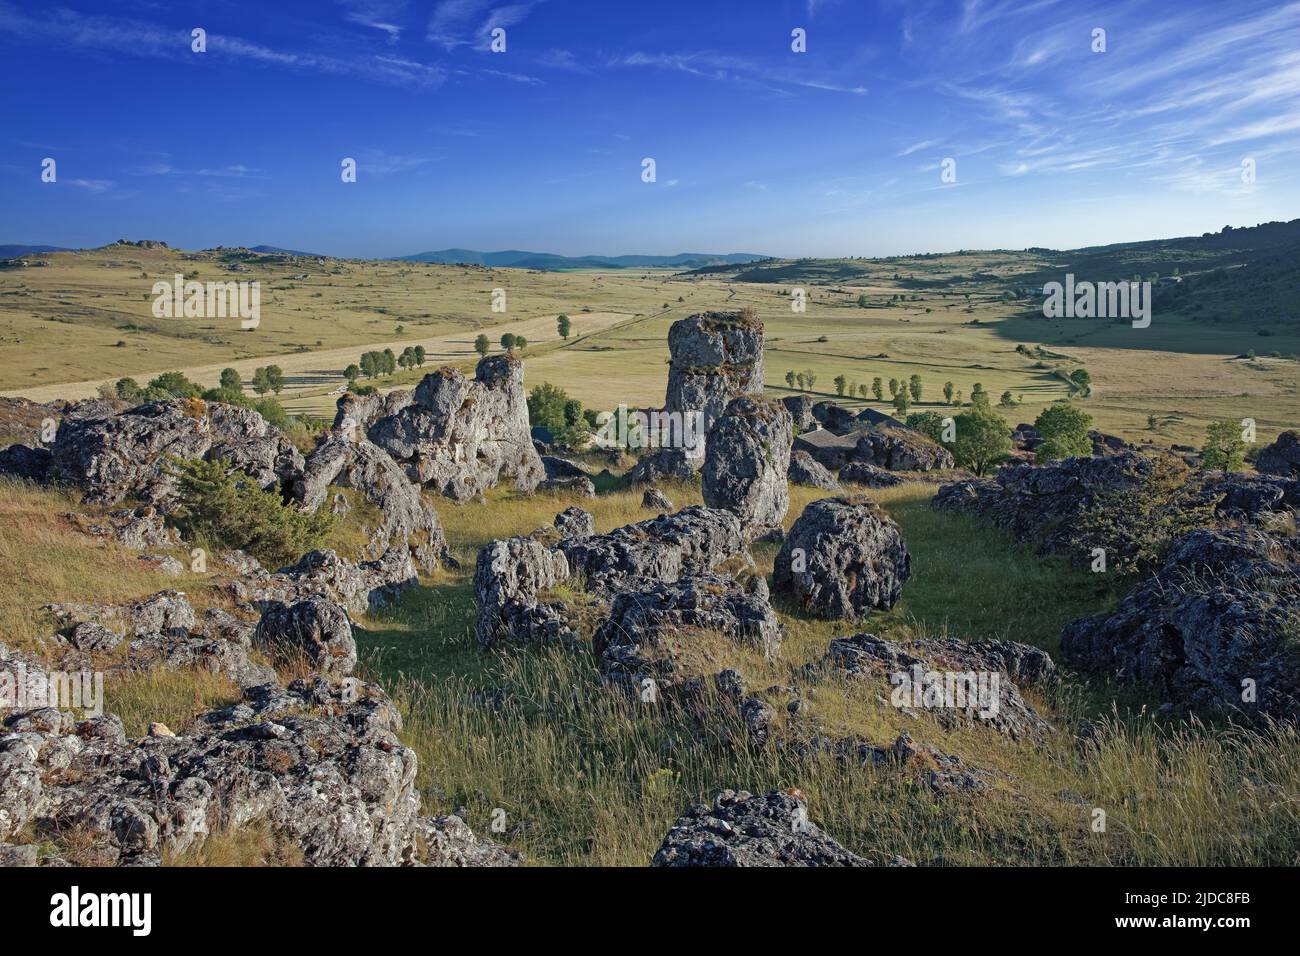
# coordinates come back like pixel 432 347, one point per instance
pixel 842 558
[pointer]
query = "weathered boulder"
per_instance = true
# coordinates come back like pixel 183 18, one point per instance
pixel 656 500
pixel 808 471
pixel 111 457
pixel 563 468
pixel 581 486
pixel 317 629
pixel 1213 629
pixel 358 587
pixel 714 357
pixel 138 529
pixel 575 523
pixel 745 463
pixel 901 449
pixel 958 682
pixel 860 473
pixel 461 437
pixel 1282 457
pixel 741 829
pixel 843 557
pixel 408 520
pixel 508 577
pixel 800 408
pixel 646 629
pixel 692 541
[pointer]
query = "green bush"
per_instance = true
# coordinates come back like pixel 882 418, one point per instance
pixel 229 511
pixel 1064 429
pixel 1224 448
pixel 929 424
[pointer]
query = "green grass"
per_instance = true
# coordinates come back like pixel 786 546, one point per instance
pixel 588 777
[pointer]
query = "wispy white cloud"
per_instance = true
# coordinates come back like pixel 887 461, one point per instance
pixel 64 27
pixel 456 23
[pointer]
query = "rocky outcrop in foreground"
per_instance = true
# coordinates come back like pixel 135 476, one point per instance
pixel 1214 629
pixel 741 829
pixel 918 674
pixel 842 558
pixel 647 629
pixel 318 763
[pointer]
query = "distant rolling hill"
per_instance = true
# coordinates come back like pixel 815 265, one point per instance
pixel 266 250
pixel 549 262
pixel 14 251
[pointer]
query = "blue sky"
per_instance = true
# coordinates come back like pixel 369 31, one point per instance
pixel 835 151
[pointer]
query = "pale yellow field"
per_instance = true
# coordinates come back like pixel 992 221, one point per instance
pixel 61 325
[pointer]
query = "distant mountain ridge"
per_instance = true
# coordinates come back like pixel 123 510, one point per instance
pixel 546 261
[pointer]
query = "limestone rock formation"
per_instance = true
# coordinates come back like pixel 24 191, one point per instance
pixel 843 557
pixel 644 630
pixel 1214 629
pixel 316 628
pixel 162 631
pixel 656 500
pixel 800 408
pixel 901 449
pixel 807 471
pixel 111 457
pixel 1041 504
pixel 319 763
pixel 1282 457
pixel 575 523
pixel 870 476
pixel 138 529
pixel 917 676
pixel 692 541
pixel 745 464
pixel 408 520
pixel 358 587
pixel 714 357
pixel 459 436
pixel 508 577
pixel 741 829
